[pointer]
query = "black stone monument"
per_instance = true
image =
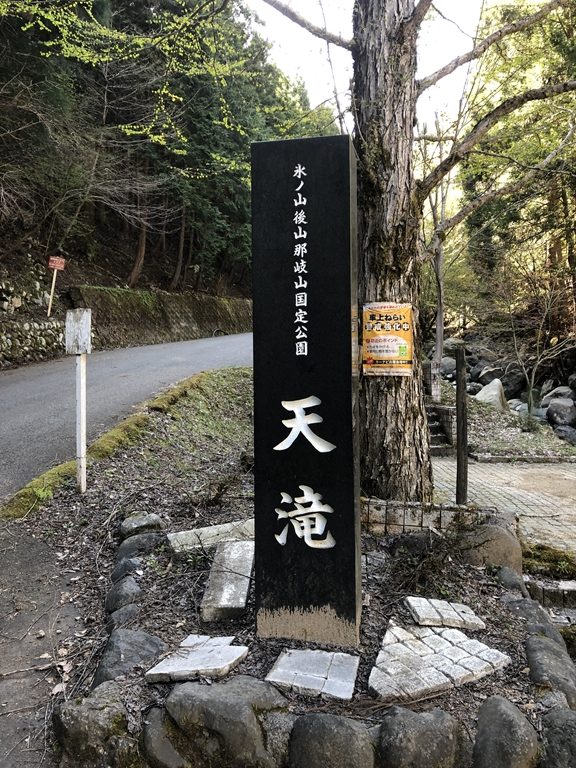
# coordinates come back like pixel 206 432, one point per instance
pixel 307 568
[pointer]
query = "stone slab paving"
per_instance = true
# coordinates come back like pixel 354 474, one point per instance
pixel 198 656
pixel 417 662
pixel 226 593
pixel 542 496
pixel 202 538
pixel 316 673
pixel 441 613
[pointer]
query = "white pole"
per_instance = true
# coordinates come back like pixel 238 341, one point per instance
pixel 81 422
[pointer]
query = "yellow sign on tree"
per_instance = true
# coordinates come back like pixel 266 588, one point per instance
pixel 387 339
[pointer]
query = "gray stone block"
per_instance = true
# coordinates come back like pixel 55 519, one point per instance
pixel 412 740
pixel 202 538
pixel 331 741
pixel 135 524
pixel 210 661
pixel 316 673
pixel 158 748
pixel 226 593
pixel 222 720
pixel 559 739
pixel 141 544
pixel 122 593
pixel 504 738
pixel 125 650
pixel 551 666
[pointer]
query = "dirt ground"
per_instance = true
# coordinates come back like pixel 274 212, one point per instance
pixel 189 470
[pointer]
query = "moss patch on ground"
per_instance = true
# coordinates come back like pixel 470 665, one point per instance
pixel 542 560
pixel 128 432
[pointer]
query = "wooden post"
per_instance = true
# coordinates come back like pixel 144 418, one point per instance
pixel 81 422
pixel 55 263
pixel 52 288
pixel 307 495
pixel 461 429
pixel 78 342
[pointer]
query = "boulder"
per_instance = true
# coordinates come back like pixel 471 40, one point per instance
pixel 473 388
pixel 491 545
pixel 123 617
pixel 562 412
pixel 330 741
pixel 513 380
pixel 537 620
pixel 493 394
pixel 517 405
pixel 489 373
pixel 91 731
pixel 504 737
pixel 157 737
pixel 124 567
pixel 448 366
pixel 478 368
pixel 140 544
pixel 559 739
pixel 125 650
pixel 547 387
pixel 122 593
pixel 555 394
pixel 221 721
pixel 551 667
pixel 566 433
pixel 412 740
pixel 572 381
pixel 143 523
pixel 452 343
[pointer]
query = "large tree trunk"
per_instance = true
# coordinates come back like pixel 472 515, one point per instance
pixel 394 442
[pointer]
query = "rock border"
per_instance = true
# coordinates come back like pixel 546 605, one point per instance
pixel 247 722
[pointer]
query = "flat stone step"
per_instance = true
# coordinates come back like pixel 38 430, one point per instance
pixel 438 439
pixel 198 656
pixel 226 593
pixel 183 542
pixel 316 673
pixel 442 450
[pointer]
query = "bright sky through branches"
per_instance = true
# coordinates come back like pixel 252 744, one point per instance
pixel 298 53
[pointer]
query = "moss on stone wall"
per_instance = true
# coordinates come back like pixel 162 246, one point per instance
pixel 123 317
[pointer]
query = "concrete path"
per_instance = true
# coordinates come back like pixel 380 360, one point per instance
pixel 543 496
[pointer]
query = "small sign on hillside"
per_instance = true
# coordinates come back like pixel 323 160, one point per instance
pixel 56 262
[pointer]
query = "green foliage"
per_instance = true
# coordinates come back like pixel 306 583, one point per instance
pixel 127 114
pixel 531 230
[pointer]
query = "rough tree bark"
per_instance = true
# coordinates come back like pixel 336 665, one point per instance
pixel 397 464
pixel 394 443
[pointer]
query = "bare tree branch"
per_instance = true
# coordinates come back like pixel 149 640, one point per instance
pixel 483 45
pixel 483 126
pixel 308 26
pixel 419 12
pixel 443 227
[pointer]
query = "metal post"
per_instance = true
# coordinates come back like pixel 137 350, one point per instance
pixel 461 429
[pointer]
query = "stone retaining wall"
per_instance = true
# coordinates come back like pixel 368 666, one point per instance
pixel 122 318
pixel 28 341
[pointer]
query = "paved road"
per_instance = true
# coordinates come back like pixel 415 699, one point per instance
pixel 37 428
pixel 542 496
